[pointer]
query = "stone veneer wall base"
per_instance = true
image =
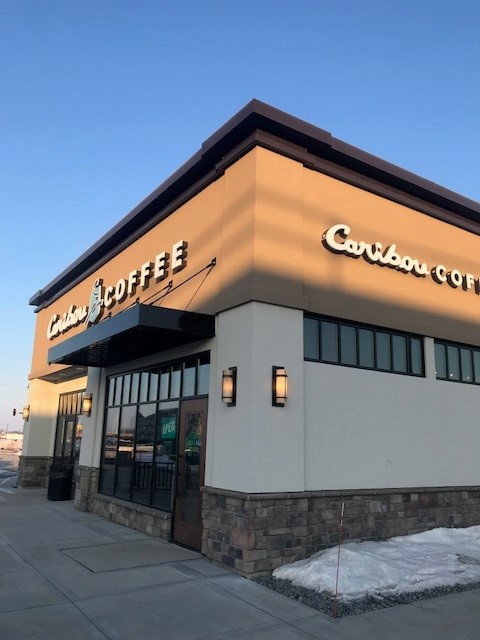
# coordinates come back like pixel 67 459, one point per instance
pixel 135 516
pixel 86 484
pixel 256 533
pixel 33 471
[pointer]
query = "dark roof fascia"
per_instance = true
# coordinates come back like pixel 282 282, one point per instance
pixel 285 134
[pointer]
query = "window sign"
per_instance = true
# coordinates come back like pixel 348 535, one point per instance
pixel 169 427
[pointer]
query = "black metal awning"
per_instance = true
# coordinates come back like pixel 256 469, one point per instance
pixel 133 333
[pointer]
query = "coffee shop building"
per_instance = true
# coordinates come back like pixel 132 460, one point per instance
pixel 285 327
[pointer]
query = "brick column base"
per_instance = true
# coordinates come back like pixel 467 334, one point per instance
pixel 86 484
pixel 256 533
pixel 33 471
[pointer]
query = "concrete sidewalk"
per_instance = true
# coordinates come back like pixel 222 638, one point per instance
pixel 69 574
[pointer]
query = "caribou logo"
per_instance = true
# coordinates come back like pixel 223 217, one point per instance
pixel 95 308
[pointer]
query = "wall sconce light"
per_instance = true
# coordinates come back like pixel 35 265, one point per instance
pixel 87 404
pixel 26 412
pixel 279 386
pixel 229 386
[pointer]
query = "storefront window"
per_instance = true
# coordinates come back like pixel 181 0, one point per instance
pixel 109 453
pixel 203 375
pixel 329 342
pixel 457 363
pixel 165 455
pixel 143 386
pixel 59 436
pixel 416 355
pixel 354 345
pixel 153 387
pixel 399 349
pixel 111 392
pixel 126 389
pixel 134 387
pixel 310 338
pixel 382 343
pixel 144 442
pixel 164 382
pixel 453 363
pixel 69 431
pixel 139 455
pixel 126 435
pixel 188 387
pixel 366 357
pixel 118 391
pixel 466 364
pixel 348 345
pixel 175 380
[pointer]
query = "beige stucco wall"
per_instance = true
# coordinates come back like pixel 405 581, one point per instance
pixel 295 206
pixel 217 223
pixel 263 221
pixel 368 429
pixel 255 446
pixel 39 430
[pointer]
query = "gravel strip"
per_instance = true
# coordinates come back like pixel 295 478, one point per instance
pixel 324 601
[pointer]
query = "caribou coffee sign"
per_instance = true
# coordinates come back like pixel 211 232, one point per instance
pixel 102 297
pixel 337 239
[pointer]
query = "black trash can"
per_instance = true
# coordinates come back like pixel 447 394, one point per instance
pixel 60 482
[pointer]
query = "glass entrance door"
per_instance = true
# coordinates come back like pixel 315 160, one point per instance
pixel 69 428
pixel 187 527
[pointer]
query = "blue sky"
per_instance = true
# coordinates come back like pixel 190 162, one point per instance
pixel 102 100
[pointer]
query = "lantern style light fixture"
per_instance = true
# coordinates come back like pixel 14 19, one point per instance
pixel 279 386
pixel 229 386
pixel 26 412
pixel 87 404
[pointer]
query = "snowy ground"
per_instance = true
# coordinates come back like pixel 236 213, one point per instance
pixel 406 564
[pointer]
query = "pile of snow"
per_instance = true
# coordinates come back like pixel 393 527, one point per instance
pixel 440 557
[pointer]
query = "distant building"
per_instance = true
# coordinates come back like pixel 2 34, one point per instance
pixel 11 440
pixel 286 324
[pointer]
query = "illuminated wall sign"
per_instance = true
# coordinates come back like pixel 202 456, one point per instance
pixel 106 297
pixel 337 240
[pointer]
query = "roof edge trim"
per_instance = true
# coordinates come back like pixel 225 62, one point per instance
pixel 256 115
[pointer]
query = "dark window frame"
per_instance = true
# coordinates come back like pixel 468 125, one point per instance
pixel 357 326
pixel 117 379
pixel 446 344
pixel 69 406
